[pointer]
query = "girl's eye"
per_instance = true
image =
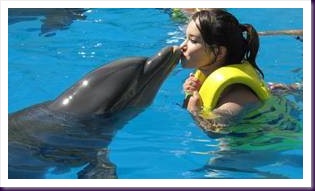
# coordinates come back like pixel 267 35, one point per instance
pixel 192 40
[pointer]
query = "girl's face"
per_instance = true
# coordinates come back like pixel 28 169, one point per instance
pixel 194 49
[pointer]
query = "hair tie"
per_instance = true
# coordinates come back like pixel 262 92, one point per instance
pixel 242 27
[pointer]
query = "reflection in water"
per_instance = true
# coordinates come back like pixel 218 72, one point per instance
pixel 262 145
pixel 251 164
pixel 54 18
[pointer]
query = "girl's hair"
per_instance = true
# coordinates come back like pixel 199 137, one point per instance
pixel 220 28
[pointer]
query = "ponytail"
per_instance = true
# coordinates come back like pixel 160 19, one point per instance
pixel 252 41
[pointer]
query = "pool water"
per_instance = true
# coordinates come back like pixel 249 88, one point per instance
pixel 163 141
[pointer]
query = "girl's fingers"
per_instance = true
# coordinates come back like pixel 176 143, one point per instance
pixel 191 84
pixel 194 103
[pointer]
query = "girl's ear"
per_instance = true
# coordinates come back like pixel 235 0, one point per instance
pixel 221 55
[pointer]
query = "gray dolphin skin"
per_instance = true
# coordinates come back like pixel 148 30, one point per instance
pixel 74 130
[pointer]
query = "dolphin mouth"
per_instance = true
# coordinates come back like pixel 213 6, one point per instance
pixel 155 71
pixel 174 55
pixel 177 53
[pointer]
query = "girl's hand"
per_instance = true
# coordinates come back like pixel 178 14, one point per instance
pixel 194 103
pixel 191 84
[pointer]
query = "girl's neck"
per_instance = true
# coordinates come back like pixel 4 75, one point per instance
pixel 208 69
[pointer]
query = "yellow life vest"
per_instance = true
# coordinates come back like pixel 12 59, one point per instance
pixel 213 86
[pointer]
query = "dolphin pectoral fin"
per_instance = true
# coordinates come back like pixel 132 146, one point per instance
pixel 101 168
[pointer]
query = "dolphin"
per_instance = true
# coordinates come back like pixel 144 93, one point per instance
pixel 74 130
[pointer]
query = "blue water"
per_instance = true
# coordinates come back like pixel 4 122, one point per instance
pixel 163 141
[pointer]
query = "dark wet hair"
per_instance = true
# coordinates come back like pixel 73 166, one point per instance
pixel 220 28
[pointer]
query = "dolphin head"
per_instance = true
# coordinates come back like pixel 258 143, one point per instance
pixel 126 83
pixel 155 71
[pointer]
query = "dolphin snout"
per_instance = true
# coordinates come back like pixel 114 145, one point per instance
pixel 177 51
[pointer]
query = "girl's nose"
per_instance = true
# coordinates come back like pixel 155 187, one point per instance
pixel 183 43
pixel 183 46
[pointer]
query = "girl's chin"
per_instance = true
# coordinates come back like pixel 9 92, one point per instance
pixel 186 65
